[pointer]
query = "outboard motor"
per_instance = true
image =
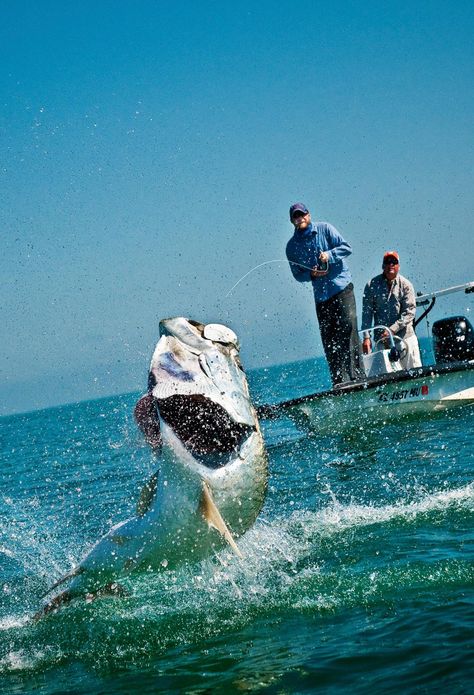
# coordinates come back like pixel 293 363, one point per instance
pixel 453 339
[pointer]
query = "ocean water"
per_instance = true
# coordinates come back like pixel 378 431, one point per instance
pixel 358 574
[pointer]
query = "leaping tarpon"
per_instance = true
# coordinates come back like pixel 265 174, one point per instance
pixel 212 465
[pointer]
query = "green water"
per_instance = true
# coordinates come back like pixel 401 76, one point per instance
pixel 358 575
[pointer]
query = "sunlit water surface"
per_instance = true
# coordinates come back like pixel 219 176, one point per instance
pixel 357 575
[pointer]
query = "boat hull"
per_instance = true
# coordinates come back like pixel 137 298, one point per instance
pixel 382 399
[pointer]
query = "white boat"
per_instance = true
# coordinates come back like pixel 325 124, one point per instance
pixel 388 391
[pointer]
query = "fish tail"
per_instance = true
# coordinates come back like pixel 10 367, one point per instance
pixel 77 570
pixel 53 605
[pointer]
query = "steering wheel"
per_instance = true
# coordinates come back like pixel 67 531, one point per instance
pixel 402 348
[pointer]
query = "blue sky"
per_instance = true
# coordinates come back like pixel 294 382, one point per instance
pixel 150 151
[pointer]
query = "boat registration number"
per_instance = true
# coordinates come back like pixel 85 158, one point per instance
pixel 403 394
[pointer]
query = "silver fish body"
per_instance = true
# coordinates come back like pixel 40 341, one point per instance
pixel 212 475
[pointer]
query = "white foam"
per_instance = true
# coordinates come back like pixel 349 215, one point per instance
pixel 23 659
pixel 6 551
pixel 288 538
pixel 9 622
pixel 338 516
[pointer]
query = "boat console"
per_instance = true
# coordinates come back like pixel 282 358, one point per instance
pixel 379 363
pixel 383 360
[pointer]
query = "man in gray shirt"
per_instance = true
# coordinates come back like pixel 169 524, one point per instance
pixel 389 299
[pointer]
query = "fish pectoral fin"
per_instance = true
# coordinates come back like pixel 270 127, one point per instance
pixel 213 517
pixel 147 495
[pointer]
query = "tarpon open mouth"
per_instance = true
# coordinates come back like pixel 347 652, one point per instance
pixel 203 426
pixel 199 388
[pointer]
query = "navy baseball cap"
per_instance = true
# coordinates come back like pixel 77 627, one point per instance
pixel 298 207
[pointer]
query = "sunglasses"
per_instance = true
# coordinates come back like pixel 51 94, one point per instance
pixel 299 215
pixel 390 261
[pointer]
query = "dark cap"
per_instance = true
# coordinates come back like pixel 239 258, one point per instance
pixel 298 207
pixel 391 254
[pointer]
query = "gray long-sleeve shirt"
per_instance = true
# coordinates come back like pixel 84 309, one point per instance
pixel 393 306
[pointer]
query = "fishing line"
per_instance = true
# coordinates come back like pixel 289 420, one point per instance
pixel 276 260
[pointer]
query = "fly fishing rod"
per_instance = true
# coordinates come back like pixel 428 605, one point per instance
pixel 276 260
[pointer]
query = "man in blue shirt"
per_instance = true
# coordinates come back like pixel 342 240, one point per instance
pixel 316 253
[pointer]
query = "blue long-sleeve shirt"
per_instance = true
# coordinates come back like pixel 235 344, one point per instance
pixel 304 248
